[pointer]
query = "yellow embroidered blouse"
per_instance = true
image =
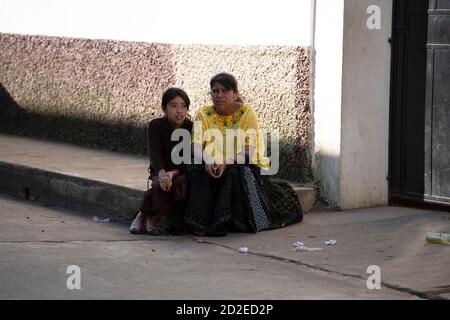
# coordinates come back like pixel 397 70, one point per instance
pixel 225 136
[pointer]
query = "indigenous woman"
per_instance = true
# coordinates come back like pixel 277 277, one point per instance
pixel 226 191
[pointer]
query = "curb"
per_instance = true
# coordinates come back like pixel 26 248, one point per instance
pixel 86 195
pixel 75 193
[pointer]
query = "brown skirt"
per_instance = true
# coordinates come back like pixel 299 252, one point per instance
pixel 157 202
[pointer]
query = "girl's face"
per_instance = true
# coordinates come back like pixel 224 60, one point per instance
pixel 176 112
pixel 223 99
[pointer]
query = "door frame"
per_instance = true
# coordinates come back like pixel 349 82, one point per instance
pixel 396 135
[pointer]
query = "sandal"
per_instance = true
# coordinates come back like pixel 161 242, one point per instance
pixel 136 229
pixel 153 231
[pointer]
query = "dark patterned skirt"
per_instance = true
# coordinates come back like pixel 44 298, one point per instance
pixel 241 201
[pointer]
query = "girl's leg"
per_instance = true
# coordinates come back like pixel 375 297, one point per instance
pixel 147 214
pixel 160 202
pixel 151 222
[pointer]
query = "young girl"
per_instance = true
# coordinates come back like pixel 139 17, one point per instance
pixel 168 188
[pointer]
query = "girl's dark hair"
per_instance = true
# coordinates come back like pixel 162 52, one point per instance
pixel 172 93
pixel 228 81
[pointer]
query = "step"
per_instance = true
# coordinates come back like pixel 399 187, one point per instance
pixel 97 182
pixel 307 197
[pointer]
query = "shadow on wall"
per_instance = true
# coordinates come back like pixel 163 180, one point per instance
pixel 327 173
pixel 120 137
pixel 9 109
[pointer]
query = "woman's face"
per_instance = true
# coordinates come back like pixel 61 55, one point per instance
pixel 223 99
pixel 176 111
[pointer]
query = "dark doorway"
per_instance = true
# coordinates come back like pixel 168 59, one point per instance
pixel 419 168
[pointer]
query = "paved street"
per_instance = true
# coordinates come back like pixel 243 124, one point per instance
pixel 38 243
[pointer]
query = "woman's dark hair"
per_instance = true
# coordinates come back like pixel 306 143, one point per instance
pixel 228 81
pixel 171 94
pixel 225 79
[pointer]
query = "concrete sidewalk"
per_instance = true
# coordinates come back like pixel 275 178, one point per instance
pixel 391 238
pixel 38 244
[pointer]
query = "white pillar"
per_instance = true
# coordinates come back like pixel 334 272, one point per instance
pixel 351 102
pixel 327 57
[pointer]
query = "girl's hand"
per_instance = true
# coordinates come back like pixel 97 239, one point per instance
pixel 166 184
pixel 165 180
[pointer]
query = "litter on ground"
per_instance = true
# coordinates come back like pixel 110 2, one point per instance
pixel 97 219
pixel 243 249
pixel 306 249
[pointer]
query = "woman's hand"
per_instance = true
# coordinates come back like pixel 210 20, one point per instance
pixel 215 170
pixel 219 170
pixel 209 170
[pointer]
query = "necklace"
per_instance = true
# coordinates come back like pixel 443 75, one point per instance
pixel 227 121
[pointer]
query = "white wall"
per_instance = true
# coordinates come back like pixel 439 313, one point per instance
pixel 351 102
pixel 240 22
pixel 328 50
pixel 365 106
